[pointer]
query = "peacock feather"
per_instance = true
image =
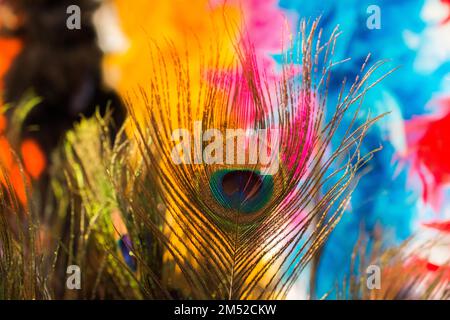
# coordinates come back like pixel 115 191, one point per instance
pixel 236 230
pixel 238 159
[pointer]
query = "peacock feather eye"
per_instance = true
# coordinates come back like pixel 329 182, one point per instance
pixel 125 247
pixel 243 190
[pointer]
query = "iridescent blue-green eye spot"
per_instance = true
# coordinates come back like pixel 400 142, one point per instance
pixel 125 246
pixel 246 191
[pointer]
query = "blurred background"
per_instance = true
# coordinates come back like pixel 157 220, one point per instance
pixel 74 68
